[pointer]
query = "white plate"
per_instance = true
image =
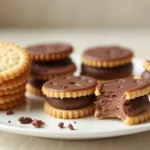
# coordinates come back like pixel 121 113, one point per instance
pixel 86 128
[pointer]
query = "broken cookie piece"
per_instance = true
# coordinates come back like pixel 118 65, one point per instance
pixel 123 98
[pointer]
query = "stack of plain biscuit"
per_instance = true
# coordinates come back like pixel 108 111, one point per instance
pixel 14 72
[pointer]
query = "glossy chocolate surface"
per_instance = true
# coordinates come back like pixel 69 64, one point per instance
pixel 109 53
pixel 70 83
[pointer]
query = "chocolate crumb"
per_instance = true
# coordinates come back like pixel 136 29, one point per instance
pixel 9 112
pixel 74 122
pixel 70 126
pixel 25 120
pixel 9 121
pixel 38 123
pixel 61 125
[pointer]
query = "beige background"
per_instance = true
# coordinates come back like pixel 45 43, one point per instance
pixel 75 13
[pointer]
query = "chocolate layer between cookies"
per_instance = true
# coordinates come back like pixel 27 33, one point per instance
pixel 36 83
pixel 72 103
pixel 52 67
pixel 122 71
pixel 112 100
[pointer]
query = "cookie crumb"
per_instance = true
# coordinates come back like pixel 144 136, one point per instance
pixel 25 120
pixel 38 123
pixel 61 125
pixel 9 112
pixel 70 126
pixel 9 121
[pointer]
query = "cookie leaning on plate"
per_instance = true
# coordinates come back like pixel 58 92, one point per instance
pixel 70 97
pixel 13 75
pixel 126 99
pixel 107 63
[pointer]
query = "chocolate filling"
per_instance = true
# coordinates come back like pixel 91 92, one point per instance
pixel 52 67
pixel 108 73
pixel 72 103
pixel 114 104
pixel 146 75
pixel 36 83
pixel 137 105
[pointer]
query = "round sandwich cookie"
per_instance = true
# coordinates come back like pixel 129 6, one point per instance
pixel 107 57
pixel 14 61
pixel 70 97
pixel 49 52
pixel 126 99
pixel 104 74
pixel 47 70
pixel 34 86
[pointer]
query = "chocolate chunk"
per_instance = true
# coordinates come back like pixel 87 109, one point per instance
pixel 107 53
pixel 107 73
pixel 38 123
pixel 9 112
pixel 25 120
pixel 73 83
pixel 9 121
pixel 72 103
pixel 70 126
pixel 61 125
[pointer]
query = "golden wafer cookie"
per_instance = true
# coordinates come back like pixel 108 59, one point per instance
pixel 70 86
pixel 140 118
pixel 14 61
pixel 107 57
pixel 146 65
pixel 12 97
pixel 33 90
pixel 49 52
pixel 12 104
pixel 68 114
pixel 15 82
pixel 18 89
